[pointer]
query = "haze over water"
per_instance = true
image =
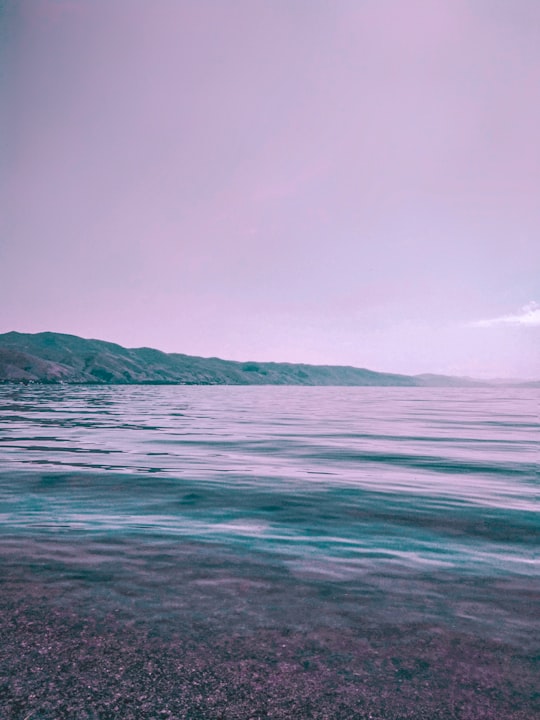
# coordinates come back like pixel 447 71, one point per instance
pixel 334 183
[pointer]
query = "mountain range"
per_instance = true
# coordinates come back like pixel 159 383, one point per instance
pixel 49 357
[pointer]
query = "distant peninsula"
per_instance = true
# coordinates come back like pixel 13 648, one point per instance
pixel 49 357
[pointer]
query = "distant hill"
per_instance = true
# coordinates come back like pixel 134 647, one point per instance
pixel 55 357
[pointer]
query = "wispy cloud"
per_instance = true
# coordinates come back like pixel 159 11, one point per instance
pixel 528 315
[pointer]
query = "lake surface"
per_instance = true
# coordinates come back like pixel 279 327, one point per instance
pixel 402 517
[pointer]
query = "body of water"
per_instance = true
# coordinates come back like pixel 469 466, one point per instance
pixel 324 514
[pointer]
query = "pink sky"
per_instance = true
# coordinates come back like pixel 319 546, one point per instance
pixel 327 182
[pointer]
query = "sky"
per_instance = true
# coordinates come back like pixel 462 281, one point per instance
pixel 324 181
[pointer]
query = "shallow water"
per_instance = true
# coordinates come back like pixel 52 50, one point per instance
pixel 335 482
pixel 251 509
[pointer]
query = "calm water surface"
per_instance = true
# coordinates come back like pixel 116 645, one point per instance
pixel 434 488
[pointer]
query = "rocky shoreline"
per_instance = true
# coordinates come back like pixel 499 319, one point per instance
pixel 67 656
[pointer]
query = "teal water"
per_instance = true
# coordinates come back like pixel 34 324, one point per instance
pixel 424 499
